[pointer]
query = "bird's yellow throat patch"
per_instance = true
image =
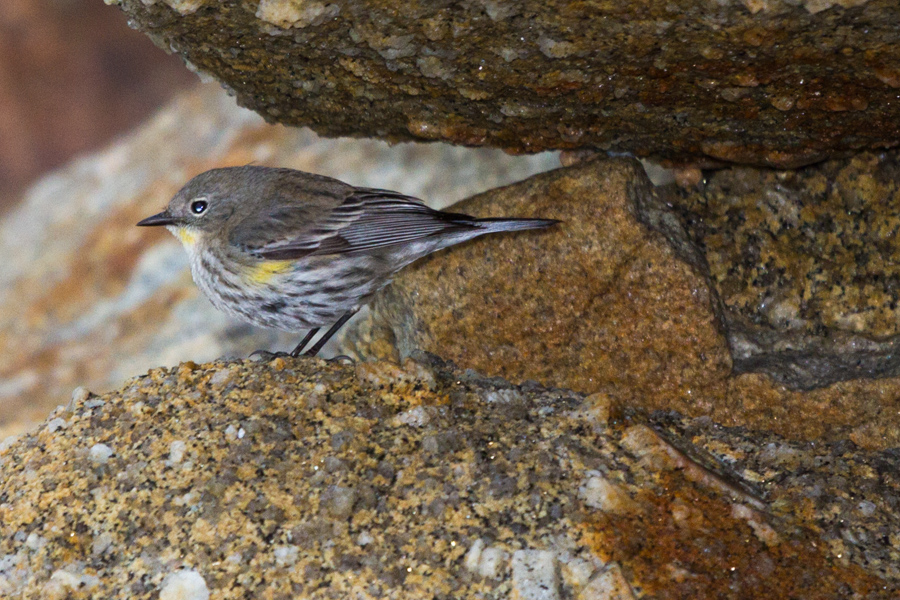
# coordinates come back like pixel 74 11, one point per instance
pixel 187 237
pixel 265 271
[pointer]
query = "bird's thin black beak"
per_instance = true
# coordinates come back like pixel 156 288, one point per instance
pixel 162 218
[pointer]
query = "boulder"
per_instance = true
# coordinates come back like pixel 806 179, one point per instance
pixel 767 82
pixel 299 478
pixel 616 299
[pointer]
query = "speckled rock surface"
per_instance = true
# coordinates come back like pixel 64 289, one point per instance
pixel 775 82
pixel 87 298
pixel 304 479
pixel 807 264
pixel 598 300
pixel 603 303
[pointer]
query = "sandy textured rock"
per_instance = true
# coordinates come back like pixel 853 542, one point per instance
pixel 805 264
pixel 598 300
pixel 87 298
pixel 613 300
pixel 300 478
pixel 775 82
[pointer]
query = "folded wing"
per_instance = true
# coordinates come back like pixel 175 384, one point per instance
pixel 366 220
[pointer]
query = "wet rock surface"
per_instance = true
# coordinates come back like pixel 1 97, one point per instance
pixel 616 299
pixel 781 83
pixel 807 264
pixel 299 477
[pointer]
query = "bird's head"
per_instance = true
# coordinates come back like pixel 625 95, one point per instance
pixel 201 209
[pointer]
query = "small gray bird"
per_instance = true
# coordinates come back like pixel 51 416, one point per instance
pixel 291 250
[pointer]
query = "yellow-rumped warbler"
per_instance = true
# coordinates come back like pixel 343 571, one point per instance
pixel 291 250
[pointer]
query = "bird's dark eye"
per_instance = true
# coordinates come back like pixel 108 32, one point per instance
pixel 198 206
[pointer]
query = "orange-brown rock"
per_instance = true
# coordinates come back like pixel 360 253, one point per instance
pixel 614 299
pixel 299 478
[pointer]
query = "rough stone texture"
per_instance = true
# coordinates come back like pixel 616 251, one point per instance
pixel 304 479
pixel 755 81
pixel 604 303
pixel 805 264
pixel 87 298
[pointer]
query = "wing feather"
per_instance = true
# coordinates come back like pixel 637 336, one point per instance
pixel 367 220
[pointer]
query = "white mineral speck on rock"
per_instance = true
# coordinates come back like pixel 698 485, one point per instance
pixel 35 542
pixel 203 75
pixel 487 562
pixel 416 417
pixel 577 571
pixel 534 575
pixel 54 425
pixel 598 492
pixel 473 556
pixel 502 396
pixel 492 561
pixel 100 453
pixel 609 585
pixel 433 67
pixel 295 13
pixel 186 584
pixel 8 441
pixel 764 532
pixel 554 49
pixel 222 377
pixel 101 543
pixel 176 452
pixel 498 11
pixel 867 508
pixel 285 556
pixel 62 583
pixel 80 395
pixel 185 7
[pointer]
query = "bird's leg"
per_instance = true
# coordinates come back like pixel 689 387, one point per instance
pixel 334 328
pixel 299 348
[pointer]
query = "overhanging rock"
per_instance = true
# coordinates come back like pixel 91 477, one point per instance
pixel 770 82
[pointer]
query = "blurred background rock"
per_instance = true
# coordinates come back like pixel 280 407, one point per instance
pixel 72 76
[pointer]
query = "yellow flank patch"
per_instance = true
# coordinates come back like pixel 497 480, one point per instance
pixel 187 237
pixel 265 271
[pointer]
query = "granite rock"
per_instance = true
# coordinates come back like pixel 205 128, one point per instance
pixel 88 299
pixel 805 264
pixel 301 478
pixel 772 82
pixel 616 299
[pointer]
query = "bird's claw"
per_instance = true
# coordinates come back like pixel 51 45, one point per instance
pixel 265 355
pixel 343 359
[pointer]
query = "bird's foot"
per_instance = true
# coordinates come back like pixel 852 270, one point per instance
pixel 266 356
pixel 342 359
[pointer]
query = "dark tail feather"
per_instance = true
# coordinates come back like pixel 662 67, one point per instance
pixel 493 225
